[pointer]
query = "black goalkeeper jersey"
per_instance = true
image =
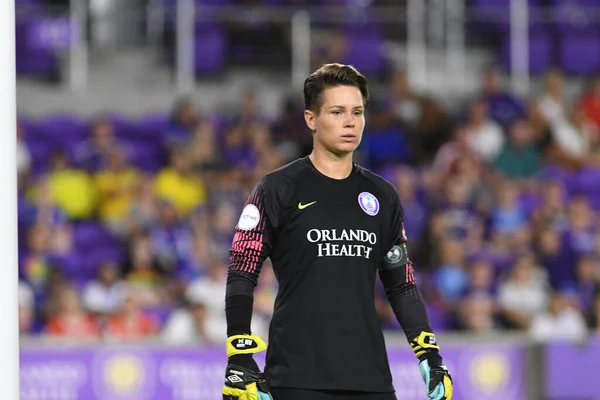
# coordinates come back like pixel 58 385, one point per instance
pixel 326 239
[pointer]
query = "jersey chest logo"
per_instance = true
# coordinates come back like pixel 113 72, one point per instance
pixel 368 203
pixel 303 206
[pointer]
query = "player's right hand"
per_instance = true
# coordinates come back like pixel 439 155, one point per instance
pixel 244 382
pixel 437 379
pixel 435 375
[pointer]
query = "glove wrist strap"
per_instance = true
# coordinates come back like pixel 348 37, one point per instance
pixel 244 344
pixel 423 344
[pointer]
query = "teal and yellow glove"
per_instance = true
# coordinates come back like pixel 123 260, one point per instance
pixel 434 373
pixel 243 379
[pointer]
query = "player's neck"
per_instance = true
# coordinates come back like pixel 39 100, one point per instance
pixel 330 165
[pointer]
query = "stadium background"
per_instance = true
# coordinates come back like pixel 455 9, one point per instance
pixel 142 125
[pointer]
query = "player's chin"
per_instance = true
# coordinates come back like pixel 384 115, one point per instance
pixel 347 146
pixel 341 151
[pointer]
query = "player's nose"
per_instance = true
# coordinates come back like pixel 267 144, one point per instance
pixel 349 123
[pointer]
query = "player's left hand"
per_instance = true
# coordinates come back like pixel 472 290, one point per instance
pixel 437 379
pixel 244 384
pixel 243 379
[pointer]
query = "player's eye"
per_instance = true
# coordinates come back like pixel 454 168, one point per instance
pixel 337 112
pixel 358 113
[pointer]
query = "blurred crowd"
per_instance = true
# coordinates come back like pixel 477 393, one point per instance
pixel 501 204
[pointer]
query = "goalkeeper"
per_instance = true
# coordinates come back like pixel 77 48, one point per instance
pixel 329 227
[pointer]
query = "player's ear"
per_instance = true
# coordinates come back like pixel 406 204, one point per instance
pixel 309 118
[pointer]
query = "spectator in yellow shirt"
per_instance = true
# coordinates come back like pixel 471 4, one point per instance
pixel 179 185
pixel 116 190
pixel 72 189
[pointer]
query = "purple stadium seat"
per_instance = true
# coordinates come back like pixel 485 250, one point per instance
pixel 154 121
pixel 211 50
pixel 19 4
pixel 64 128
pixel 40 152
pixel 365 53
pixel 47 33
pixel 576 15
pixel 362 25
pixel 31 59
pixel 206 15
pixel 540 52
pixel 149 130
pixel 99 255
pixel 213 3
pixel 90 234
pixel 554 172
pixel 580 52
pixel 493 16
pixel 71 265
pixel 587 182
pixel 149 153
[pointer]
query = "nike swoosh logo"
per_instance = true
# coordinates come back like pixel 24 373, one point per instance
pixel 303 206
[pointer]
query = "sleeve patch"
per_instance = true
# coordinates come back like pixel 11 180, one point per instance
pixel 396 257
pixel 250 218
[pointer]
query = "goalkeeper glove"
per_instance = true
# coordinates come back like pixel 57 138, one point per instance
pixel 243 379
pixel 434 373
